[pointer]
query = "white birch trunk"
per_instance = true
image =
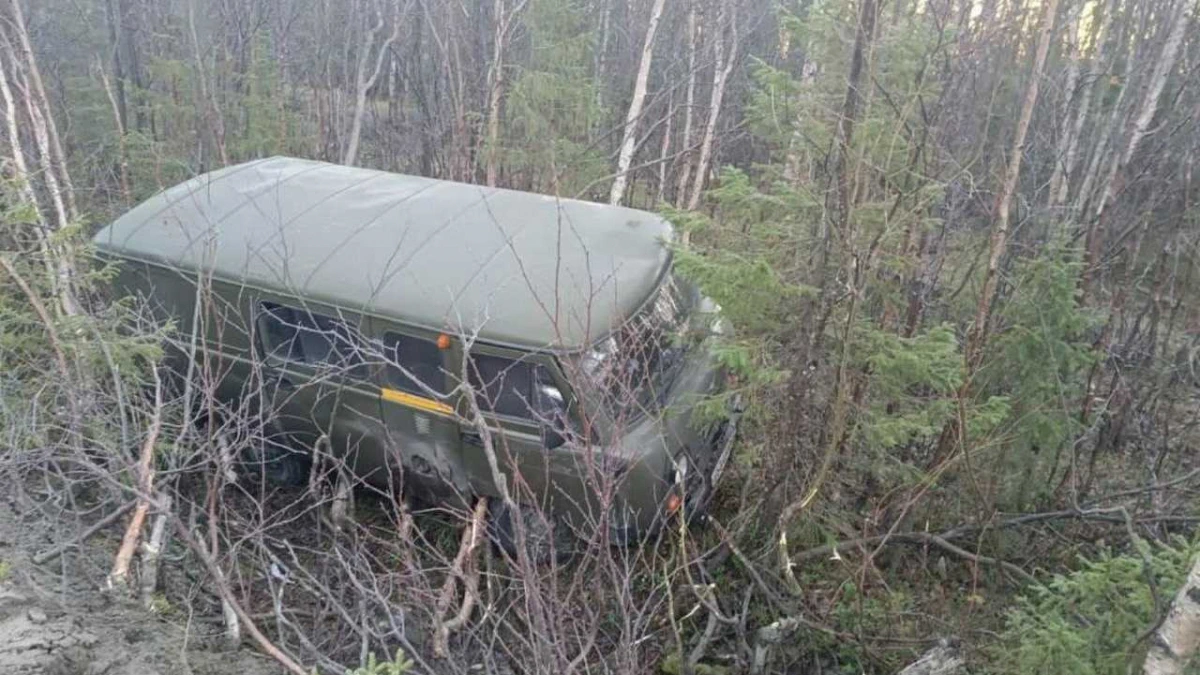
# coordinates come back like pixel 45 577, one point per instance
pixel 1060 193
pixel 363 82
pixel 1158 82
pixel 663 152
pixel 999 239
pixel 495 93
pixel 215 119
pixel 689 106
pixel 722 66
pixel 25 185
pixel 1177 639
pixel 57 157
pixel 1071 111
pixel 18 153
pixel 629 136
pixel 503 22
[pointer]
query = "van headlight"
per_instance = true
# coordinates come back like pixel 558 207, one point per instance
pixel 681 469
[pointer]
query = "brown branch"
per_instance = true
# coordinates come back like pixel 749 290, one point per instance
pixel 227 596
pixel 1104 514
pixel 60 357
pixel 51 554
pixel 465 570
pixel 118 578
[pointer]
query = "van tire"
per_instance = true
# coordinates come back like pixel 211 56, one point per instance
pixel 547 537
pixel 254 456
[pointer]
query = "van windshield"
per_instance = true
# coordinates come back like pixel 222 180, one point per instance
pixel 633 368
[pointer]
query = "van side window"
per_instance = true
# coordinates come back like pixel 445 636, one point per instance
pixel 504 386
pixel 421 358
pixel 304 337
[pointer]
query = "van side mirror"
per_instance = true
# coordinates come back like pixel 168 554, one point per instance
pixel 552 408
pixel 551 438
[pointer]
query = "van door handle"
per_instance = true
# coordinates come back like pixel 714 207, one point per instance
pixel 472 437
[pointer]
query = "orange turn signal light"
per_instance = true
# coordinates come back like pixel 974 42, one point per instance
pixel 674 501
pixel 443 341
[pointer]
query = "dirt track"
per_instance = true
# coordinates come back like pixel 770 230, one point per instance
pixel 55 620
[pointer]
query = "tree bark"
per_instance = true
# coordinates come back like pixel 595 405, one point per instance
pixel 944 658
pixel 503 21
pixel 363 83
pixel 57 158
pixel 1060 192
pixel 1177 639
pixel 208 95
pixel 1056 194
pixel 722 66
pixel 977 336
pixel 664 151
pixel 1138 130
pixel 629 136
pixel 115 98
pixel 998 245
pixel 689 106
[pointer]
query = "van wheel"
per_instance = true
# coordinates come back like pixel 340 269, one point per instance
pixel 547 537
pixel 273 462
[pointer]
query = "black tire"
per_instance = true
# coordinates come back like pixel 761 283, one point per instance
pixel 260 455
pixel 547 537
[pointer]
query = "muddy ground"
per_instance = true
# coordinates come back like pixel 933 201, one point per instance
pixel 55 619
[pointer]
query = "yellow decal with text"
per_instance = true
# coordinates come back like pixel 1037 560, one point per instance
pixel 413 401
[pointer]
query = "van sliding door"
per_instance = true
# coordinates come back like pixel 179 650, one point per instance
pixel 317 378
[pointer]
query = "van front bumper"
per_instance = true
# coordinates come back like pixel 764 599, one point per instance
pixel 674 481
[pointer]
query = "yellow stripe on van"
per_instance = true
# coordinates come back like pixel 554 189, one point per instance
pixel 413 401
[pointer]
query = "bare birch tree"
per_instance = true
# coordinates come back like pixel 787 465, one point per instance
pixel 998 245
pixel 362 80
pixel 37 99
pixel 723 62
pixel 689 106
pixel 1175 642
pixel 503 21
pixel 1138 130
pixel 629 135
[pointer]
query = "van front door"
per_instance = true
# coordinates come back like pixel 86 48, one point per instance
pixel 517 402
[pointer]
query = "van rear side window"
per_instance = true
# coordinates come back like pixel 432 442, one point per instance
pixel 301 336
pixel 412 362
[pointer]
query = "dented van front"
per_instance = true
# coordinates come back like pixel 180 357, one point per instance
pixel 662 453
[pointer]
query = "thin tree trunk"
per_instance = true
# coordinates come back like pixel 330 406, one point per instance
pixel 999 241
pixel 364 83
pixel 1071 112
pixel 57 157
pixel 1060 193
pixel 1177 639
pixel 664 151
pixel 114 99
pixel 722 66
pixel 629 136
pixel 503 21
pixel 57 260
pixel 216 122
pixel 495 92
pixel 114 39
pixel 12 126
pixel 24 182
pixel 1138 130
pixel 977 335
pixel 601 56
pixel 689 106
pixel 838 203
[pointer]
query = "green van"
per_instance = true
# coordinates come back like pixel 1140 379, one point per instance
pixel 406 323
